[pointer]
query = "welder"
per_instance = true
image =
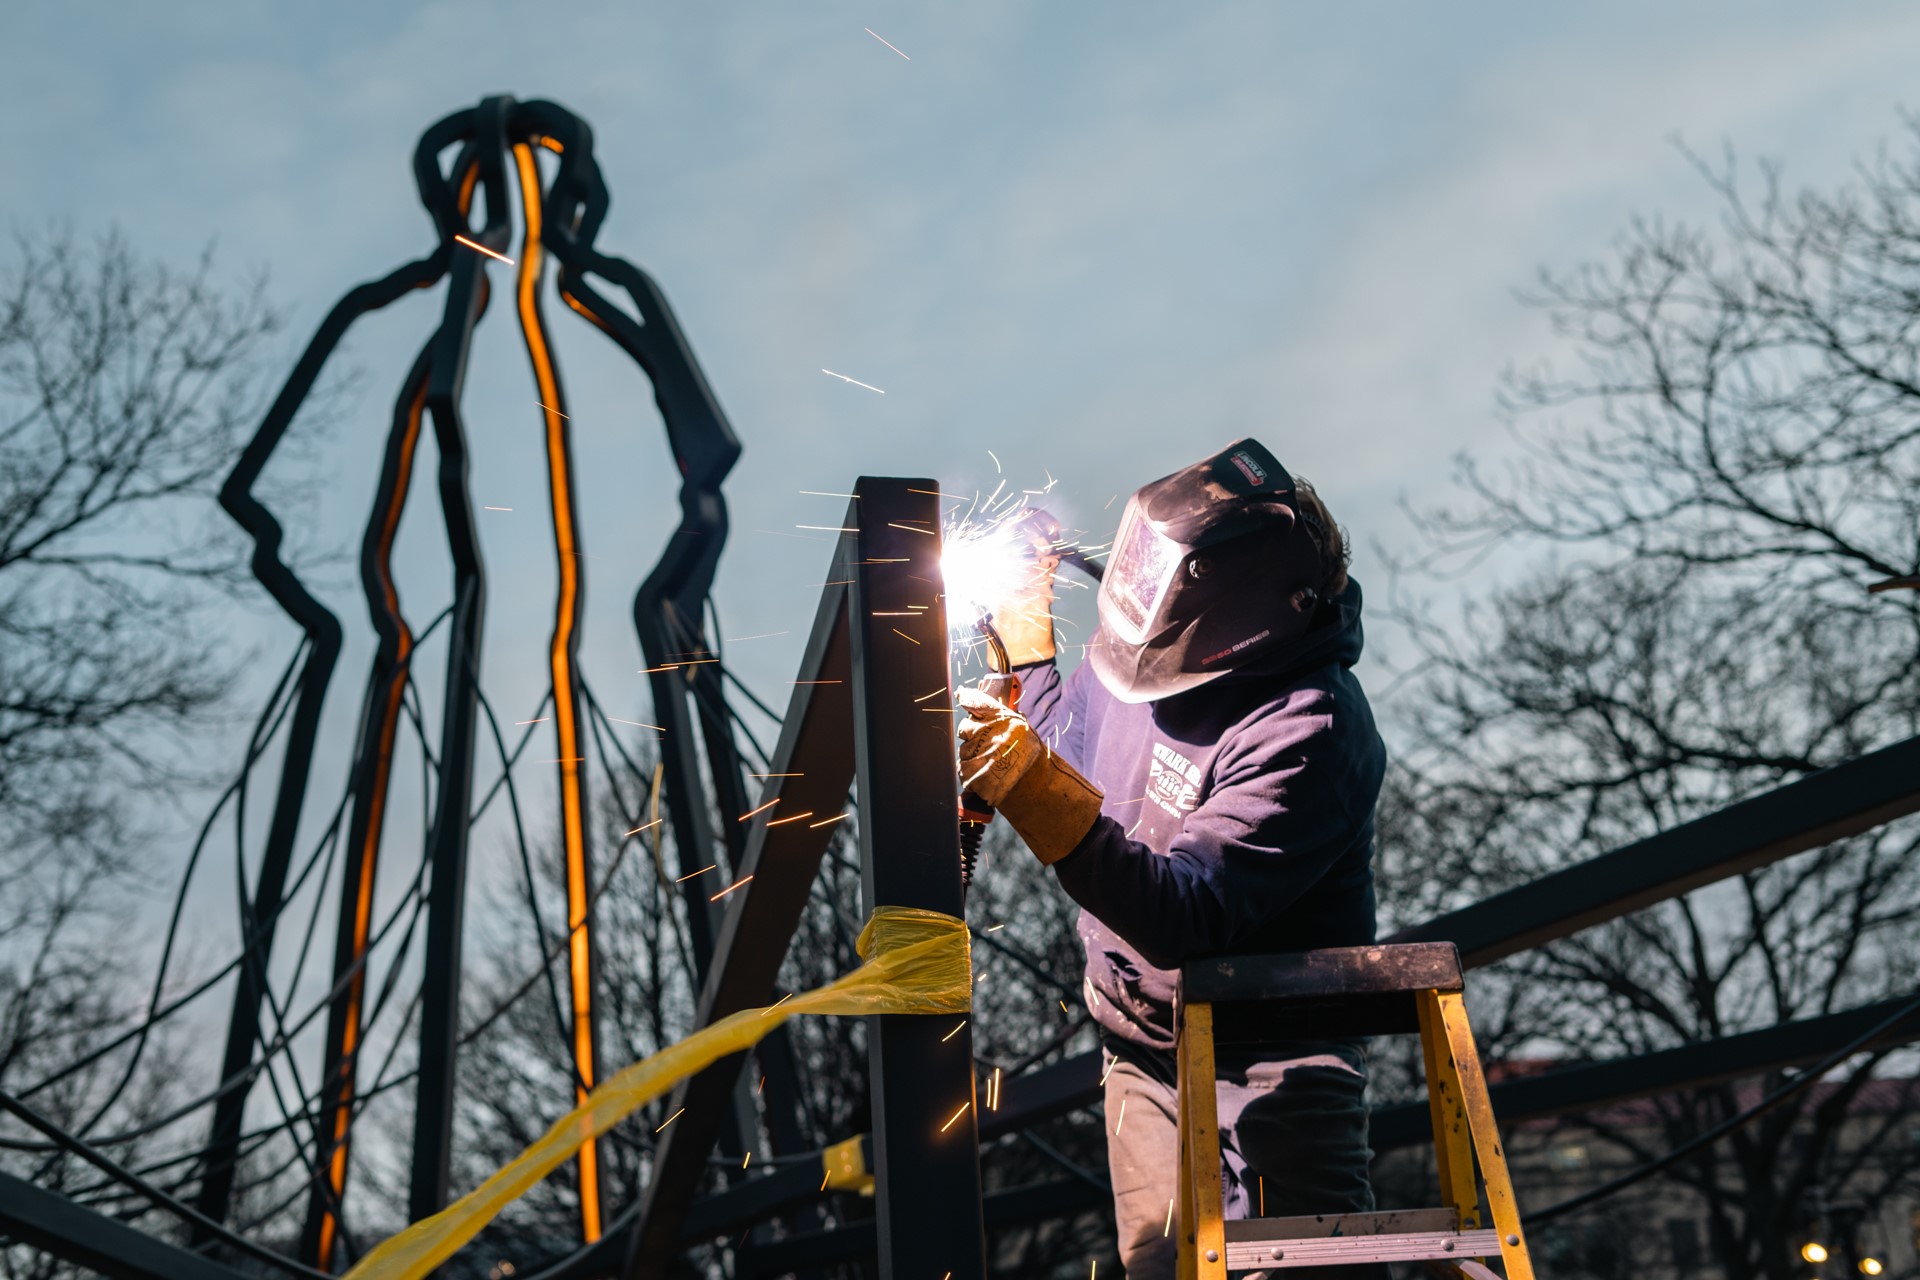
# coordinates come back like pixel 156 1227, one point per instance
pixel 1203 784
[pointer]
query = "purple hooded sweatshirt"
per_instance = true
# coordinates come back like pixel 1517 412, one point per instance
pixel 1238 818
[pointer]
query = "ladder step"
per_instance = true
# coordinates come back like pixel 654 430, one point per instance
pixel 1331 1251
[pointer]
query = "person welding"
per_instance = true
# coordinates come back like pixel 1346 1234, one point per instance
pixel 1202 785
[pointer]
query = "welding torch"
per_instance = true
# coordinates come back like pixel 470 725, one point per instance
pixel 1001 683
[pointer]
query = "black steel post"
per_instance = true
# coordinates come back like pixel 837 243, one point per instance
pixel 925 1136
pixel 447 842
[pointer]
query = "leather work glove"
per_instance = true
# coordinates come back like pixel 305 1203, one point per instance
pixel 1024 616
pixel 1003 761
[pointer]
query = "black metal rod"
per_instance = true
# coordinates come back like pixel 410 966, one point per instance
pixel 48 1221
pixel 447 842
pixel 925 1135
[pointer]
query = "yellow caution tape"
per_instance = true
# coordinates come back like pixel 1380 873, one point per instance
pixel 915 962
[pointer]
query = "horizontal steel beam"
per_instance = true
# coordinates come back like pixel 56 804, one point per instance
pixel 1816 810
pixel 1601 1084
pixel 1015 1206
pixel 48 1221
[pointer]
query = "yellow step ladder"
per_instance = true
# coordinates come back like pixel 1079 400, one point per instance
pixel 1248 1001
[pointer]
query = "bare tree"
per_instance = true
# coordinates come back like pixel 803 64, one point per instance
pixel 1732 464
pixel 125 389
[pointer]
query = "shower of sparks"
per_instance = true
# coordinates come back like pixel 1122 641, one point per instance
pixel 729 889
pixel 843 377
pixel 956 1115
pixel 883 40
pixel 480 248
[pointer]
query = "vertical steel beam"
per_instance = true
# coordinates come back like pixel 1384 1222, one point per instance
pixel 816 746
pixel 447 842
pixel 925 1137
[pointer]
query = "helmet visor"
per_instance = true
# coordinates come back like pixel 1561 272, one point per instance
pixel 1138 573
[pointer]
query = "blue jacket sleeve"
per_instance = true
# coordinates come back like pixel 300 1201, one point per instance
pixel 1269 828
pixel 1055 707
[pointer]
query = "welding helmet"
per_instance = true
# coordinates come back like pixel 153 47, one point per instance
pixel 1212 568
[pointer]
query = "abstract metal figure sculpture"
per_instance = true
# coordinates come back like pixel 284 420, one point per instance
pixel 561 217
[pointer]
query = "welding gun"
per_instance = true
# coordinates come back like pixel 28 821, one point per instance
pixel 1000 682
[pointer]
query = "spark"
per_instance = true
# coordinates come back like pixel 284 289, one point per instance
pixel 816 682
pixel 691 874
pixel 1095 1270
pixel 991 928
pixel 541 720
pixel 996 459
pixel 996 1088
pixel 826 822
pixel 951 1034
pixel 1263 1195
pixel 1123 1116
pixel 670 1119
pixel 555 412
pixel 893 524
pixel 496 508
pixel 1111 1063
pixel 1110 502
pixel 480 248
pixel 823 1187
pixel 795 818
pixel 762 809
pixel 776 775
pixel 843 377
pixel 652 671
pixel 618 720
pixel 1169 1227
pixel 828 528
pixel 775 1005
pixel 764 635
pixel 816 493
pixel 650 826
pixel 745 1158
pixel 956 1115
pixel 729 889
pixel 903 635
pixel 1063 1006
pixel 936 693
pixel 883 40
pixel 763 1085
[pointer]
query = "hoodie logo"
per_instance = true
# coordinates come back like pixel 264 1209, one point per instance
pixel 1173 781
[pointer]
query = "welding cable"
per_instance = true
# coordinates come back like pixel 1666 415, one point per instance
pixel 184 1212
pixel 1721 1130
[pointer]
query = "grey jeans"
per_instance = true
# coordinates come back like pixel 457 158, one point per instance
pixel 1293 1140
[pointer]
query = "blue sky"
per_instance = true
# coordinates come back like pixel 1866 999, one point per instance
pixel 1099 239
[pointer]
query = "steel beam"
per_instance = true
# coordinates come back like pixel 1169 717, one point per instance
pixel 1815 810
pixel 1012 1207
pixel 1692 1066
pixel 816 742
pixel 447 841
pixel 925 1135
pixel 48 1221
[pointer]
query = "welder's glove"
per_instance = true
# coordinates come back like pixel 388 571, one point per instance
pixel 1024 614
pixel 1003 761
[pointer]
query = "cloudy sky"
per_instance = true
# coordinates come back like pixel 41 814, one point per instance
pixel 1100 239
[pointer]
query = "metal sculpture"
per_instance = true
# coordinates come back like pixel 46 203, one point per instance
pixel 497 143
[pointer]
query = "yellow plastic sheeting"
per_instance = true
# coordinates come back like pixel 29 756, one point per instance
pixel 916 962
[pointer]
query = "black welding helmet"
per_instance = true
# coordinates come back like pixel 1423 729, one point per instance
pixel 1212 567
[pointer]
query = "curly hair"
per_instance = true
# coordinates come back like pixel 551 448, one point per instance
pixel 1328 538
